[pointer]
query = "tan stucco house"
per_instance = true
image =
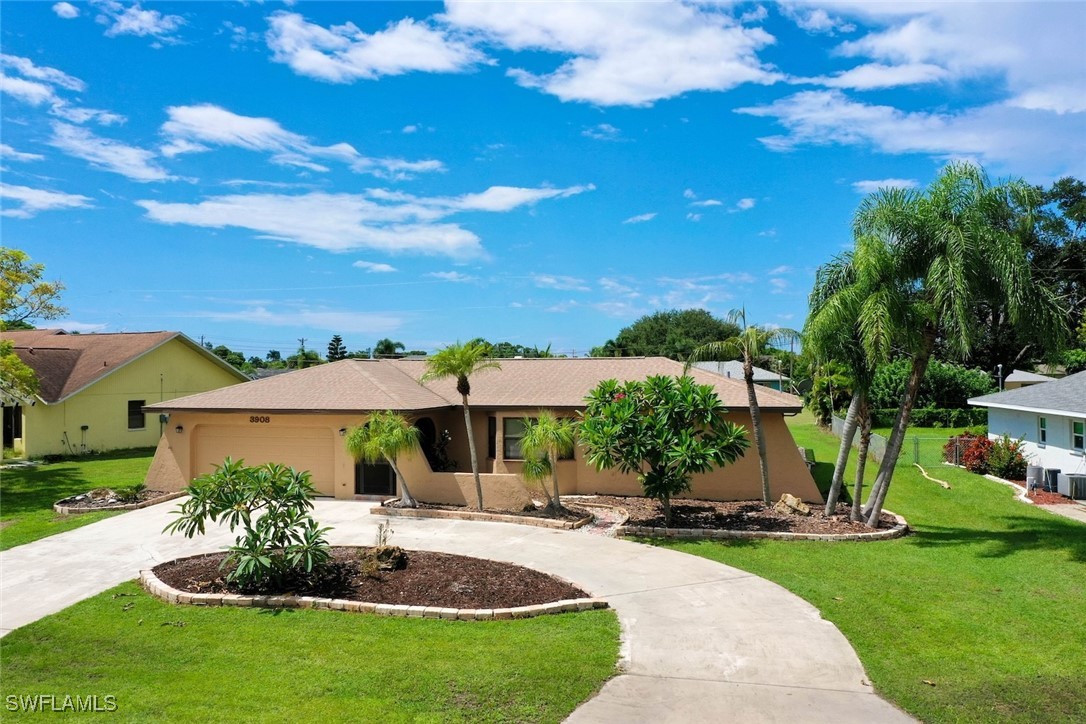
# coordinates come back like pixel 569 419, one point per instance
pixel 93 388
pixel 300 419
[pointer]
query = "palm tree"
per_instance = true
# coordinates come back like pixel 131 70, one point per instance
pixel 460 361
pixel 385 436
pixel 546 439
pixel 922 263
pixel 751 342
pixel 387 348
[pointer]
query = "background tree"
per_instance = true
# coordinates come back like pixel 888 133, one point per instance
pixel 336 349
pixel 387 348
pixel 302 359
pixel 23 294
pixel 461 361
pixel 665 430
pixel 922 262
pixel 751 342
pixel 546 440
pixel 385 436
pixel 673 334
pixel 17 380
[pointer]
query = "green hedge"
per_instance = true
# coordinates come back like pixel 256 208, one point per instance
pixel 933 417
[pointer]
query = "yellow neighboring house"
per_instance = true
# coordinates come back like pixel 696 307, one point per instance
pixel 93 388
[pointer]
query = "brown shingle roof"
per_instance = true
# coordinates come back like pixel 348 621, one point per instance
pixel 67 363
pixel 352 385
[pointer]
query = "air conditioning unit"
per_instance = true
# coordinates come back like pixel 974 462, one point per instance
pixel 1073 485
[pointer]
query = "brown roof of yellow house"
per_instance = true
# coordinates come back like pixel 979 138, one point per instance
pixel 68 363
pixel 353 385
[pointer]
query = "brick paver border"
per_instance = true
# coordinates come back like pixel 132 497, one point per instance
pixel 477 515
pixel 76 510
pixel 900 529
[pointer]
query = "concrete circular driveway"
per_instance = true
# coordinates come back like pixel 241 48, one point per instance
pixel 701 641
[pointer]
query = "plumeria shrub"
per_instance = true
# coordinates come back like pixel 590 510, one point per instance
pixel 279 538
pixel 1006 460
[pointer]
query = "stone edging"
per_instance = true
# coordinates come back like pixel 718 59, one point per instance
pixel 477 515
pixel 77 510
pixel 899 530
pixel 155 586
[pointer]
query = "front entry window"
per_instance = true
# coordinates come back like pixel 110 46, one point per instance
pixel 374 479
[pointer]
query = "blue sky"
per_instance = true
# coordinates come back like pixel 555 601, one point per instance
pixel 541 173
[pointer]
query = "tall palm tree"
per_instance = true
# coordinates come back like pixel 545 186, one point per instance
pixel 923 260
pixel 751 342
pixel 546 439
pixel 461 361
pixel 385 436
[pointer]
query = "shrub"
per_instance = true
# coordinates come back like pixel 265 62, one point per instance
pixel 975 454
pixel 1006 460
pixel 282 541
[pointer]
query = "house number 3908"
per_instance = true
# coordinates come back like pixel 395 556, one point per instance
pixel 259 418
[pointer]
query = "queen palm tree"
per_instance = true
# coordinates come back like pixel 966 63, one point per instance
pixel 461 361
pixel 385 436
pixel 546 439
pixel 751 342
pixel 923 261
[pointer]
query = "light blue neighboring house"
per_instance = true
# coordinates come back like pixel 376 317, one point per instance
pixel 1050 419
pixel 734 370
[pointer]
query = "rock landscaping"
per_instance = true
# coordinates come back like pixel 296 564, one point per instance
pixel 570 517
pixel 101 499
pixel 421 580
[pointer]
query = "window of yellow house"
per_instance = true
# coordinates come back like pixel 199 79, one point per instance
pixel 136 419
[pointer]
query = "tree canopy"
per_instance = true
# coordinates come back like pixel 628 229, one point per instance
pixel 24 296
pixel 674 334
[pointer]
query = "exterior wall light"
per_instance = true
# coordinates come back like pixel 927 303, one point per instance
pixel 179 429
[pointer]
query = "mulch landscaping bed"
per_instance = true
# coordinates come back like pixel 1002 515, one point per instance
pixel 429 579
pixel 1041 497
pixel 107 498
pixel 569 512
pixel 744 515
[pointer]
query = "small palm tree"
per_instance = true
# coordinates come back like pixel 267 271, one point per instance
pixel 385 436
pixel 546 439
pixel 751 342
pixel 460 361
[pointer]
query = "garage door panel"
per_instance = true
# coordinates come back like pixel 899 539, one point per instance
pixel 302 448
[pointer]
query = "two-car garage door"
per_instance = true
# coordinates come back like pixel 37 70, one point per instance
pixel 302 448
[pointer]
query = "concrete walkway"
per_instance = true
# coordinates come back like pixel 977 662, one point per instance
pixel 701 641
pixel 1075 511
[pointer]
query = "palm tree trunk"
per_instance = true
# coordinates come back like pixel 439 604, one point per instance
pixel 861 462
pixel 901 424
pixel 756 427
pixel 474 457
pixel 847 435
pixel 406 498
pixel 556 501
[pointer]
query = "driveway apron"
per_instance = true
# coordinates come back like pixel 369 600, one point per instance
pixel 702 642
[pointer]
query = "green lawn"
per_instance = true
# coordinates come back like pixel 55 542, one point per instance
pixel 27 494
pixel 241 664
pixel 986 600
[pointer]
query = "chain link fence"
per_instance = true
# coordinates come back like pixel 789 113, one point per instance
pixel 924 450
pixel 876 448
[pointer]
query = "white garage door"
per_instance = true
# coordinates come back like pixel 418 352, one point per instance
pixel 302 448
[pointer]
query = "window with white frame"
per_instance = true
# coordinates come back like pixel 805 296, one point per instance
pixel 1078 435
pixel 513 433
pixel 1042 430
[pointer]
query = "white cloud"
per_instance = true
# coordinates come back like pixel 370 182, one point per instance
pixel 194 129
pixel 995 134
pixel 618 288
pixel 344 53
pixel 134 20
pixel 816 20
pixel 70 325
pixel 640 218
pixel 563 307
pixel 876 75
pixel 387 221
pixel 870 186
pixel 779 270
pixel 38 85
pixel 452 276
pixel 602 132
pixel 66 10
pixel 413 128
pixel 779 286
pixel 557 281
pixel 689 194
pixel 757 15
pixel 305 317
pixel 104 153
pixel 636 56
pixel 697 291
pixel 693 217
pixel 708 202
pixel 745 204
pixel 9 153
pixel 374 267
pixel 770 233
pixel 30 201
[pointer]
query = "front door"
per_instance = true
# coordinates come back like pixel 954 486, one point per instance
pixel 374 479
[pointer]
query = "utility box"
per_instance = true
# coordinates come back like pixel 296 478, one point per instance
pixel 1073 485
